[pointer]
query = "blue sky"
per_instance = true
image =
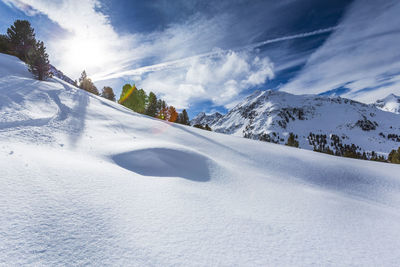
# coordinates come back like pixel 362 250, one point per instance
pixel 208 55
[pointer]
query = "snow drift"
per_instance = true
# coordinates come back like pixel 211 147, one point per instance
pixel 87 181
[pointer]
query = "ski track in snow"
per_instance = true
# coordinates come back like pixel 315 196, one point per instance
pixel 85 181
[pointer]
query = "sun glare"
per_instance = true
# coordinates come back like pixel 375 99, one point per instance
pixel 85 53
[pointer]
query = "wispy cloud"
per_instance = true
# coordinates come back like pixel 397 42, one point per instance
pixel 182 62
pixel 26 8
pixel 362 55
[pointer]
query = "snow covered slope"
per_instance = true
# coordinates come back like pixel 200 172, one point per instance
pixel 390 103
pixel 85 181
pixel 272 115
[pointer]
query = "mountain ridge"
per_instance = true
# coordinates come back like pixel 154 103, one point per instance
pixel 272 115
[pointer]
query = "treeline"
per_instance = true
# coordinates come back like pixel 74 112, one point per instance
pixel 322 145
pixel 334 146
pixel 138 101
pixel 20 41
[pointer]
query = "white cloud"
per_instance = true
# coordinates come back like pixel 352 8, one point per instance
pixel 362 54
pixel 219 78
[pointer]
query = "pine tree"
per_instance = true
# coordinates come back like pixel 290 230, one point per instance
pixel 22 38
pixel 38 61
pixel 140 100
pixel 163 114
pixel 133 98
pixel 4 44
pixel 292 141
pixel 108 93
pixel 200 126
pixel 185 118
pixel 172 115
pixel 161 109
pixel 82 78
pixel 151 109
pixel 394 156
pixel 86 84
pixel 179 119
pixel 125 98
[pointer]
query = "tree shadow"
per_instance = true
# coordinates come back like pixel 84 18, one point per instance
pixel 78 114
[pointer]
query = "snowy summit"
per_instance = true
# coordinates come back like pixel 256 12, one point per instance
pixel 390 103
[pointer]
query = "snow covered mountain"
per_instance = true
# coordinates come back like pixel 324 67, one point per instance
pixel 320 122
pixel 390 103
pixel 85 181
pixel 204 119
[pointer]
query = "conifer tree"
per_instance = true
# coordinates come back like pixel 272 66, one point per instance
pixel 200 126
pixel 38 61
pixel 185 118
pixel 180 118
pixel 172 115
pixel 108 93
pixel 125 98
pixel 4 44
pixel 83 77
pixel 21 38
pixel 163 114
pixel 133 98
pixel 292 141
pixel 161 109
pixel 151 109
pixel 86 84
pixel 394 156
pixel 140 101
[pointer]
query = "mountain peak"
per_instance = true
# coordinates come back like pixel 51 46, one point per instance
pixel 391 103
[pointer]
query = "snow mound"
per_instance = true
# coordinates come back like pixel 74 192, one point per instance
pixel 165 162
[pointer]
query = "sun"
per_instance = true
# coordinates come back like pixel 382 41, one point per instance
pixel 83 53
